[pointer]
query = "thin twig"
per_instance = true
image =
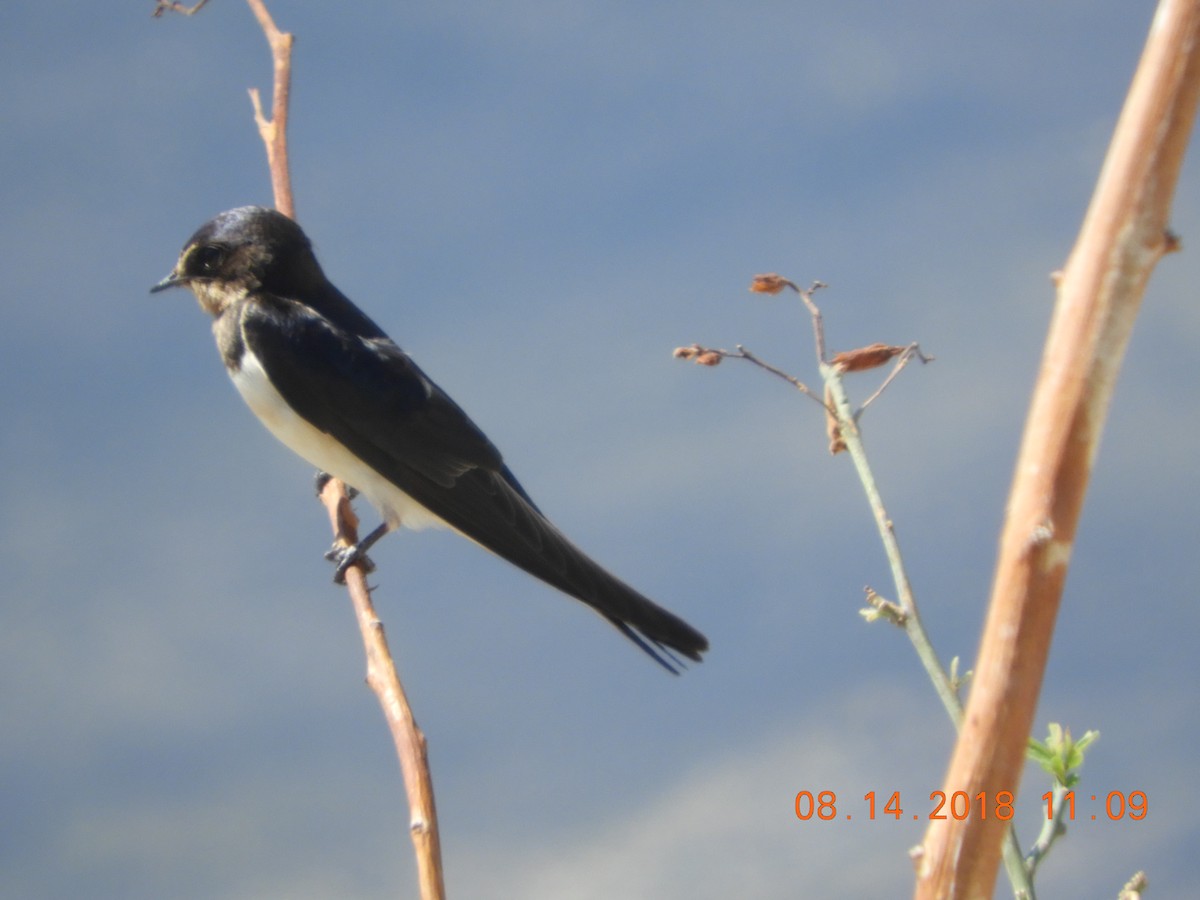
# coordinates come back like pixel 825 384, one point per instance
pixel 711 356
pixel 743 353
pixel 163 6
pixel 1123 236
pixel 911 351
pixel 274 130
pixel 773 283
pixel 1052 829
pixel 815 314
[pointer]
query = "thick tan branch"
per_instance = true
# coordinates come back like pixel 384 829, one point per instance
pixel 1123 236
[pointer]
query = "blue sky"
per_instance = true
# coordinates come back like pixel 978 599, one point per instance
pixel 540 201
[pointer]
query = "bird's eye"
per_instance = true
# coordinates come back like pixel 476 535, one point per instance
pixel 206 259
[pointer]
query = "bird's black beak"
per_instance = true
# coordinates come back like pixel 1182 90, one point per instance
pixel 172 280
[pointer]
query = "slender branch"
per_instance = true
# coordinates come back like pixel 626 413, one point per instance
pixel 1052 829
pixel 274 130
pixel 817 323
pixel 711 356
pixel 381 669
pixel 1123 236
pixel 743 353
pixel 162 6
pixel 912 351
pixel 943 684
pixel 774 283
pixel 887 534
pixel 385 682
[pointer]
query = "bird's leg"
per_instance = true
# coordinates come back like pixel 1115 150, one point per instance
pixel 345 557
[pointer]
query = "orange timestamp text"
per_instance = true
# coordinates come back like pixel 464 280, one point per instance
pixel 823 806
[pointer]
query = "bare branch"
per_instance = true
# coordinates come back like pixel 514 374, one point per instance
pixel 163 6
pixel 711 356
pixel 274 130
pixel 385 682
pixel 1123 236
pixel 381 669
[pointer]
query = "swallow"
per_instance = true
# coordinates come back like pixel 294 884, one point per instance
pixel 333 387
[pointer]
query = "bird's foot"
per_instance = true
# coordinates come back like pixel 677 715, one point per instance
pixel 322 479
pixel 344 557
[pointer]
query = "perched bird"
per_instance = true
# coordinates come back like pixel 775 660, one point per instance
pixel 334 388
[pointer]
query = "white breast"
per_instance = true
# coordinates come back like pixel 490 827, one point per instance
pixel 322 450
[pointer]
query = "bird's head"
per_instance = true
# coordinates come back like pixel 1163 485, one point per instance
pixel 245 249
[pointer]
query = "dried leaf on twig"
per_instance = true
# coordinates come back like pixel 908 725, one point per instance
pixel 771 283
pixel 864 358
pixel 701 356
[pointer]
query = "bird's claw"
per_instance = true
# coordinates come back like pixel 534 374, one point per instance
pixel 344 557
pixel 322 479
pixel 319 482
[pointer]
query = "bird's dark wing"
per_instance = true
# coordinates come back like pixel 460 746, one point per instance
pixel 370 396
